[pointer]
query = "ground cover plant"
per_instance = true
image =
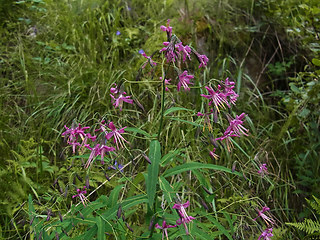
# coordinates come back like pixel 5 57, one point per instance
pixel 159 120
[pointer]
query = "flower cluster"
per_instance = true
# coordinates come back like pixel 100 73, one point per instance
pixel 267 233
pixel 118 97
pixel 183 219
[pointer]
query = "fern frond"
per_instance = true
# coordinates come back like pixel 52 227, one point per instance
pixel 315 205
pixel 309 226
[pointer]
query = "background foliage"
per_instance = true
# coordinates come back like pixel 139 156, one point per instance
pixel 58 60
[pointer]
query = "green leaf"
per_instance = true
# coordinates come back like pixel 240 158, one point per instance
pixel 129 202
pixel 174 109
pixel 153 170
pixel 101 228
pixel 167 189
pixel 114 195
pixel 185 121
pixel 196 165
pixel 220 227
pixel 316 62
pixel 137 130
pixel 166 158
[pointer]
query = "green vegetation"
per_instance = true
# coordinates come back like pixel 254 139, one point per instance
pixel 58 62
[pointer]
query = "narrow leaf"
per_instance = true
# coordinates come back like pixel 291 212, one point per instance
pixel 196 165
pixel 174 109
pixel 153 170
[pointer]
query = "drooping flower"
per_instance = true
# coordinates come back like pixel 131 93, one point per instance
pixel 116 134
pixel 228 87
pixel 149 60
pixel 266 234
pixel 265 218
pixel 81 195
pixel 169 51
pixel 117 101
pixel 185 50
pixel 167 28
pixel 203 60
pixel 164 228
pixel 213 154
pixel 74 133
pixel 263 169
pixel 184 80
pixel 96 151
pixel 217 98
pixel 184 218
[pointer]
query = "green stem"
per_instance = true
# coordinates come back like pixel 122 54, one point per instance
pixel 164 73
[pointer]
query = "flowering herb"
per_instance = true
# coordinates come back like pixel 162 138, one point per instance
pixel 118 97
pixel 184 218
pixel 263 169
pixel 116 134
pixel 184 80
pixel 164 228
pixel 266 234
pixel 81 195
pixel 96 151
pixel 265 218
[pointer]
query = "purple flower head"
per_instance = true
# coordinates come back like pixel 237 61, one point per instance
pixel 265 218
pixel 116 134
pixel 80 194
pixel 203 60
pixel 266 234
pixel 149 60
pixel 263 169
pixel 170 52
pixel 184 80
pixel 167 28
pixel 229 92
pixel 184 218
pixel 185 50
pixel 118 97
pixel 164 228
pixel 217 98
pixel 235 129
pixel 96 151
pixel 74 133
pixel 141 51
pixel 213 155
pixel 118 33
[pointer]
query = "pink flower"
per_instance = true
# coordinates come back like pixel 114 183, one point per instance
pixel 203 60
pixel 80 194
pixel 184 80
pixel 117 101
pixel 229 92
pixel 164 228
pixel 170 52
pixel 185 50
pixel 266 234
pixel 263 169
pixel 74 133
pixel 265 218
pixel 218 98
pixel 149 60
pixel 184 218
pixel 167 28
pixel 213 155
pixel 96 151
pixel 116 134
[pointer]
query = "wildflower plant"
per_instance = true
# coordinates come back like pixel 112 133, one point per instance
pixel 162 174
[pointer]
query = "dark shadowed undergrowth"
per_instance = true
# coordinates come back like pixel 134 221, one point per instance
pixel 60 60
